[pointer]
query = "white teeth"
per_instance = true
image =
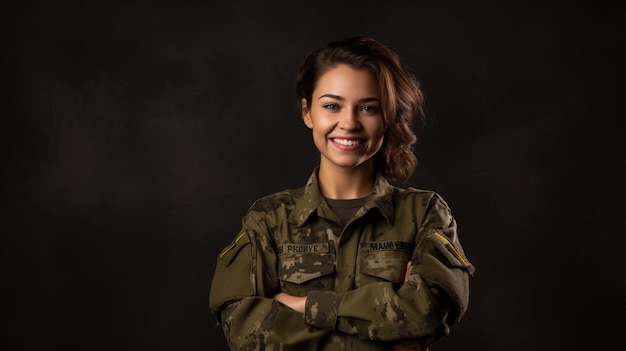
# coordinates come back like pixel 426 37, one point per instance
pixel 347 142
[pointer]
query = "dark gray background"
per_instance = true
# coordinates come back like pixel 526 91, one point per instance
pixel 135 136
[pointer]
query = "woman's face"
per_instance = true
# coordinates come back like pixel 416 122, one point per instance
pixel 346 118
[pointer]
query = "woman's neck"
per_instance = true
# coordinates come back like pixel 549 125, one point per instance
pixel 346 183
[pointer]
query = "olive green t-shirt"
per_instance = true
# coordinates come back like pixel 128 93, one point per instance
pixel 345 209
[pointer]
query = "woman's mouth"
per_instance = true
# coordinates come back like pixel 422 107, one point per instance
pixel 347 142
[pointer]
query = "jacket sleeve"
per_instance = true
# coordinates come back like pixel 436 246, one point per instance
pixel 241 294
pixel 435 296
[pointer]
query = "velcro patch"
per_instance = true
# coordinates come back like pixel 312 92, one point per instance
pixel 388 246
pixel 303 248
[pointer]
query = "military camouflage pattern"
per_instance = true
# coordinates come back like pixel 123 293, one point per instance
pixel 353 276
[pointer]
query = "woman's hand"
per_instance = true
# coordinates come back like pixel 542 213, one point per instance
pixel 406 274
pixel 296 303
pixel 417 346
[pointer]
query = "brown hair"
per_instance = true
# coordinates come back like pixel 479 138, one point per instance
pixel 401 98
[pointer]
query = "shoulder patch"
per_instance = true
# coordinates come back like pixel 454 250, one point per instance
pixel 233 244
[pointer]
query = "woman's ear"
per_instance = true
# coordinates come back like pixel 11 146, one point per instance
pixel 306 114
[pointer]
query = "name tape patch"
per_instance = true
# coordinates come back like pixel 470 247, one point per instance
pixel 388 245
pixel 303 248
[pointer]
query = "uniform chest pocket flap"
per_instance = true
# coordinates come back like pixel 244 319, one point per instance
pixel 299 264
pixel 386 260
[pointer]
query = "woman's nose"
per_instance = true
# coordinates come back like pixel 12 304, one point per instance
pixel 350 120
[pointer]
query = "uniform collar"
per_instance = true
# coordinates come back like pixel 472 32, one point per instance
pixel 312 200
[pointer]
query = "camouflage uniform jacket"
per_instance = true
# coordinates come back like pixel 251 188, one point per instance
pixel 353 275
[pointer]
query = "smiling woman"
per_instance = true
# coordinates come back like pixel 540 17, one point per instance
pixel 348 261
pixel 348 129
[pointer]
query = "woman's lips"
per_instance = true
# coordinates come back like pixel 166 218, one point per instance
pixel 347 143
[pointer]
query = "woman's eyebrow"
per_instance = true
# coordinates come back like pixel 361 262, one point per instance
pixel 341 98
pixel 370 99
pixel 333 96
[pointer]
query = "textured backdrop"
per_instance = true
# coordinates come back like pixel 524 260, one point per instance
pixel 136 135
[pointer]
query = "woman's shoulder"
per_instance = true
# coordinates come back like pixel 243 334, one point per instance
pixel 412 192
pixel 279 199
pixel 418 195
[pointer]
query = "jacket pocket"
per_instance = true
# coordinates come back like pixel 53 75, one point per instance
pixel 385 260
pixel 301 272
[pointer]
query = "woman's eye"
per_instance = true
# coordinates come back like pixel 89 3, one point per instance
pixel 370 109
pixel 331 106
